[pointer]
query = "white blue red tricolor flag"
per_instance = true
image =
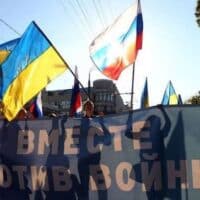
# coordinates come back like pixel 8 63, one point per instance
pixel 117 47
pixel 36 106
pixel 76 100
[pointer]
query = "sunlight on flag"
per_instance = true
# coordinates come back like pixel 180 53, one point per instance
pixel 6 48
pixel 116 48
pixel 170 97
pixel 32 64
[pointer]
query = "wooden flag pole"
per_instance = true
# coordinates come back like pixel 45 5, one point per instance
pixel 132 86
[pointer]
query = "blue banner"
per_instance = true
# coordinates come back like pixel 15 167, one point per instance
pixel 143 154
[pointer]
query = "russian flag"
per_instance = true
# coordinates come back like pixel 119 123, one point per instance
pixel 116 48
pixel 36 107
pixel 76 100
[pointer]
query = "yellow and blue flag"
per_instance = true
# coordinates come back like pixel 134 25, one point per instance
pixel 32 64
pixel 145 96
pixel 6 48
pixel 116 48
pixel 170 97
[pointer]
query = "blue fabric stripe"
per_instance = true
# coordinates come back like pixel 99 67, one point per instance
pixel 132 29
pixel 9 46
pixel 169 92
pixel 37 112
pixel 165 100
pixel 139 23
pixel 100 56
pixel 74 99
pixel 31 45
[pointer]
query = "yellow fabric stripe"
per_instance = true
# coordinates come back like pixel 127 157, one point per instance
pixel 173 100
pixel 3 55
pixel 32 80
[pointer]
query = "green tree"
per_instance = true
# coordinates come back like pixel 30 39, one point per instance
pixel 195 99
pixel 197 13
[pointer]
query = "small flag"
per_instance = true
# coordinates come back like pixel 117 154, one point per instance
pixel 6 48
pixel 145 96
pixel 180 102
pixel 32 64
pixel 36 107
pixel 76 100
pixel 116 48
pixel 170 97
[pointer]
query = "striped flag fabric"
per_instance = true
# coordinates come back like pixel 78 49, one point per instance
pixel 6 48
pixel 76 99
pixel 32 64
pixel 36 106
pixel 116 48
pixel 170 97
pixel 145 96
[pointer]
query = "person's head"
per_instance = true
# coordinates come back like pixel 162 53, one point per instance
pixel 101 113
pixel 88 108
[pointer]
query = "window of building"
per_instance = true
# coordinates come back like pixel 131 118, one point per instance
pixel 49 93
pixel 100 97
pixel 104 97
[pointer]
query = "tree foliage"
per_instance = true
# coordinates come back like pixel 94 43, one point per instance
pixel 197 13
pixel 195 99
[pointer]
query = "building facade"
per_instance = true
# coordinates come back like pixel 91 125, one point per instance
pixel 104 94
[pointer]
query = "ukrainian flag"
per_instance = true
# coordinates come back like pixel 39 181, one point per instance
pixel 170 97
pixel 32 64
pixel 6 48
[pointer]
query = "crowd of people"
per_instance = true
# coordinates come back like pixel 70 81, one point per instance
pixel 26 112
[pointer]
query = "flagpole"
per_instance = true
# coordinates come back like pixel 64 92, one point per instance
pixel 10 27
pixel 89 85
pixel 61 58
pixel 132 86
